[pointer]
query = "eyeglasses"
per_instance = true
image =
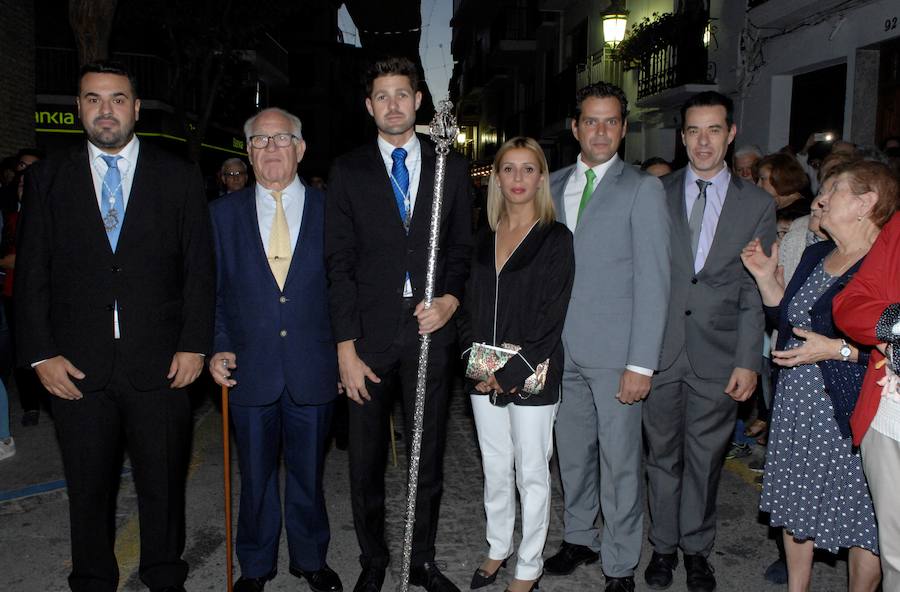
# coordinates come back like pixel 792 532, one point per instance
pixel 240 173
pixel 281 140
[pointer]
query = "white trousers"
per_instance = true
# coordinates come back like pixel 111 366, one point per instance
pixel 881 464
pixel 516 445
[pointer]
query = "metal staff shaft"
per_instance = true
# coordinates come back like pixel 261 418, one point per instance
pixel 443 131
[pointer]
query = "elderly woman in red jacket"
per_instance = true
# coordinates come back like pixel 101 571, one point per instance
pixel 868 311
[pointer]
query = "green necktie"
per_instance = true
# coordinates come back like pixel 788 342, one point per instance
pixel 587 193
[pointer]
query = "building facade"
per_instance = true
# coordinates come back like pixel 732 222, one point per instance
pixel 793 68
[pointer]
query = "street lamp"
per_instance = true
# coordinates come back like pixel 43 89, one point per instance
pixel 615 18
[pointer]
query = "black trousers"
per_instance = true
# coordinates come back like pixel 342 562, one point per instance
pixel 155 428
pixel 369 439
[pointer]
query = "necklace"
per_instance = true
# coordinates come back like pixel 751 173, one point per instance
pixel 835 255
pixel 111 217
pixel 406 201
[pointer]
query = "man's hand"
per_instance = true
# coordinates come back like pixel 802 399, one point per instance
pixel 633 387
pixel 354 373
pixel 220 367
pixel 185 368
pixel 54 375
pixel 432 319
pixel 741 384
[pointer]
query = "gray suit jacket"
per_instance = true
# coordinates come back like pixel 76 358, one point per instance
pixel 717 314
pixel 617 312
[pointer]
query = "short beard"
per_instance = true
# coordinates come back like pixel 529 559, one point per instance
pixel 110 139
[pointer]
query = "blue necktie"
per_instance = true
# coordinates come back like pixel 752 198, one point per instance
pixel 113 200
pixel 400 183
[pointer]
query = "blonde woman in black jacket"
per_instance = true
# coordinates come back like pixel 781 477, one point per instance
pixel 518 292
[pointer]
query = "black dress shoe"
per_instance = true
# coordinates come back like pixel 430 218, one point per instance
pixel 321 580
pixel 700 576
pixel 370 580
pixel 430 577
pixel 568 558
pixel 625 584
pixel 658 574
pixel 252 584
pixel 481 578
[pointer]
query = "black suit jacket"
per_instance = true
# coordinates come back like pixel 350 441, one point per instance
pixel 161 275
pixel 368 252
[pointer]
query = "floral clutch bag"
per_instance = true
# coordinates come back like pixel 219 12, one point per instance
pixel 486 359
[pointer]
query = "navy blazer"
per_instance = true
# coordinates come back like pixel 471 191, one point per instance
pixel 282 339
pixel 843 380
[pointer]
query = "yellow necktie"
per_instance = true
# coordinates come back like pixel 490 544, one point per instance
pixel 279 243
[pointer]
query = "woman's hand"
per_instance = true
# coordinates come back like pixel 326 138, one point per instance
pixel 488 385
pixel 815 348
pixel 756 261
pixel 765 270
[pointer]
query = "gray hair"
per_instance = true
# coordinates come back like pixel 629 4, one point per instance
pixel 297 127
pixel 749 149
pixel 234 160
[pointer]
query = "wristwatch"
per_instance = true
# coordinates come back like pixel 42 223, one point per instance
pixel 845 350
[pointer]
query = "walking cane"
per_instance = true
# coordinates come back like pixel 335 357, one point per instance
pixel 226 449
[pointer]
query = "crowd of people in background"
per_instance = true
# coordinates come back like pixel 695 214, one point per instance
pixel 657 322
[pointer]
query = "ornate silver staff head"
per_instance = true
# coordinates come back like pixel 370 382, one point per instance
pixel 443 127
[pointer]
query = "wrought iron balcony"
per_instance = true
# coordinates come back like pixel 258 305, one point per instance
pixel 673 66
pixel 600 66
pixel 669 55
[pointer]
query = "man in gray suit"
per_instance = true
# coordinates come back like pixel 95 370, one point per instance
pixel 612 337
pixel 711 352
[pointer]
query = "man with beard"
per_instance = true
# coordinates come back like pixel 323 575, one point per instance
pixel 377 219
pixel 115 295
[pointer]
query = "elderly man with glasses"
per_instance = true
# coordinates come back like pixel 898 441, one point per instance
pixel 275 351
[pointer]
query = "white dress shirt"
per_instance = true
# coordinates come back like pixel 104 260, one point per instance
pixel 575 187
pixel 414 167
pixel 126 165
pixel 293 198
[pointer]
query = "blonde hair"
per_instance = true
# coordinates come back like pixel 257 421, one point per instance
pixel 543 201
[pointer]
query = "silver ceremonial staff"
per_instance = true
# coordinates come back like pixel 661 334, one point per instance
pixel 443 133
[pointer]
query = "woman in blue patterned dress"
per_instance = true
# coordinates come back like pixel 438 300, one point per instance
pixel 814 485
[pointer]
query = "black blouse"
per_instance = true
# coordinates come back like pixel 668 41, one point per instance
pixel 524 305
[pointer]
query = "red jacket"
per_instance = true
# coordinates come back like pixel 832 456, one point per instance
pixel 857 310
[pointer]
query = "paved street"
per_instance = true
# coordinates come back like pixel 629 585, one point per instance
pixel 34 520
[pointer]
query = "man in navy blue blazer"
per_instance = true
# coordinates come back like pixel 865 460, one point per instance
pixel 276 353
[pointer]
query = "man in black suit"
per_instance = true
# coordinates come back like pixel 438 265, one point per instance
pixel 377 219
pixel 114 297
